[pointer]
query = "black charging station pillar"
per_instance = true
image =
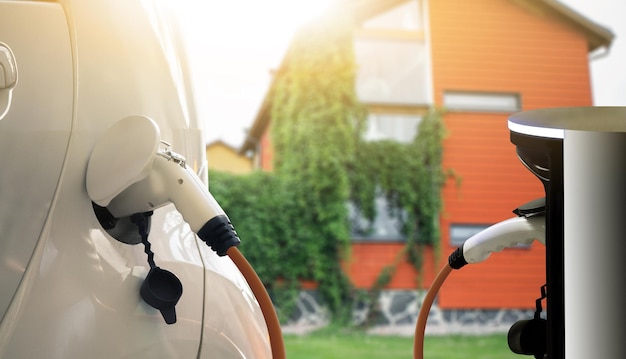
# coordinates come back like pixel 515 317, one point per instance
pixel 544 157
pixel 579 154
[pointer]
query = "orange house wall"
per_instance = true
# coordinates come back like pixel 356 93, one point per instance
pixel 367 260
pixel 498 46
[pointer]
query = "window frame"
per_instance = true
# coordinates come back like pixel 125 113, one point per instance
pixel 481 107
pixel 419 35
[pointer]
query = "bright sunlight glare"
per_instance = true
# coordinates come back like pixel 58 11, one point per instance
pixel 245 20
pixel 233 46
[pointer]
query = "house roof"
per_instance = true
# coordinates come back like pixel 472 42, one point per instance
pixel 597 36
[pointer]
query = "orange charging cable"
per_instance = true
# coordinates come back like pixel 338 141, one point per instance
pixel 265 302
pixel 420 326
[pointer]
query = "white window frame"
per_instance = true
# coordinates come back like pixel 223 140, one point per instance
pixel 400 127
pixel 475 101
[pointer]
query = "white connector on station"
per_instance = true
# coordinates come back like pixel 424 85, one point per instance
pixel 522 230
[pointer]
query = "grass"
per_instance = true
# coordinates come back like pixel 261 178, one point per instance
pixel 338 343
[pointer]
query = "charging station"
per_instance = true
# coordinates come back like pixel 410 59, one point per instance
pixel 579 155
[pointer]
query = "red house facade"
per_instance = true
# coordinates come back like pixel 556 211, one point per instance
pixel 482 60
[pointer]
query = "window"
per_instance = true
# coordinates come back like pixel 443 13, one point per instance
pixel 391 71
pixel 397 127
pixel 385 227
pixel 481 101
pixel 392 57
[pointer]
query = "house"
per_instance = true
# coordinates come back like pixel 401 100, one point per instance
pixel 224 157
pixel 482 60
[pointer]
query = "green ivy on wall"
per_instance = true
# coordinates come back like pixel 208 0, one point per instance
pixel 314 115
pixel 410 176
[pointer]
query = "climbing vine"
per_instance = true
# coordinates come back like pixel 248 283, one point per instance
pixel 315 113
pixel 410 177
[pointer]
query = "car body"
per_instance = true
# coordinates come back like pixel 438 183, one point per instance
pixel 70 288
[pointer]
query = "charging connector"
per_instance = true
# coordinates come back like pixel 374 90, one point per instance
pixel 219 234
pixel 524 229
pixel 505 234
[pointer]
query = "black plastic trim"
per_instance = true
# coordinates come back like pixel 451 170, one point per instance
pixel 219 234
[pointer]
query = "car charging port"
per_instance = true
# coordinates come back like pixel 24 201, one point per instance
pixel 122 229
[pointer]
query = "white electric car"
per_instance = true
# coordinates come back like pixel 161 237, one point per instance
pixel 70 281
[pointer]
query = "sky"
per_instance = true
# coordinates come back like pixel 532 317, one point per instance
pixel 234 45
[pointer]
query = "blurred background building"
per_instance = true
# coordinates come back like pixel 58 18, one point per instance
pixel 480 60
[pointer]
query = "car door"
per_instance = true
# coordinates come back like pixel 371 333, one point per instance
pixel 36 86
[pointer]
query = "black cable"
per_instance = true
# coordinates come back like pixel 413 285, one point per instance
pixel 140 220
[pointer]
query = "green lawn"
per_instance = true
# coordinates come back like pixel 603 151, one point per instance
pixel 340 344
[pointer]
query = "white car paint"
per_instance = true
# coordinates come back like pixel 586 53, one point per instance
pixel 69 289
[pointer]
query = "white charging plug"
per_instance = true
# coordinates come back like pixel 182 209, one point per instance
pixel 169 180
pixel 132 171
pixel 505 234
